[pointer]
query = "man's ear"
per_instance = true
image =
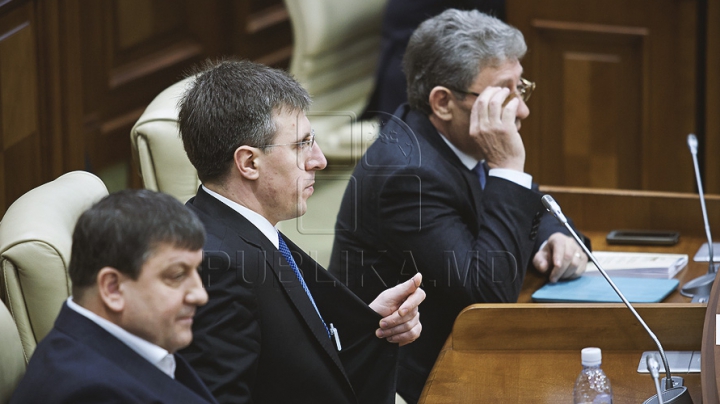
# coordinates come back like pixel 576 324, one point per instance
pixel 245 159
pixel 442 102
pixel 109 282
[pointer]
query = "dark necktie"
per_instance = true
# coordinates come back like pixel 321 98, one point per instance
pixel 285 251
pixel 479 170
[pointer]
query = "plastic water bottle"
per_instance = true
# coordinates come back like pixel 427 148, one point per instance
pixel 592 385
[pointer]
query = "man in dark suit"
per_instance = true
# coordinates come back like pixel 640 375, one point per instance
pixel 135 288
pixel 278 328
pixel 442 190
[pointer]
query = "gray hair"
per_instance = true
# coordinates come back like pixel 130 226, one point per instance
pixel 452 48
pixel 230 104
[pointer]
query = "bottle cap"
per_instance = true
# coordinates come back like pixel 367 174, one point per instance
pixel 591 356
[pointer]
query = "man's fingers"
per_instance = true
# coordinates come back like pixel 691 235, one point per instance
pixel 509 112
pixel 541 260
pixel 403 333
pixel 390 300
pixel 395 319
pixel 412 302
pixel 407 337
pixel 495 108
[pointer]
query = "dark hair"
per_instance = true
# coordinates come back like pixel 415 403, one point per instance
pixel 231 104
pixel 124 229
pixel 452 48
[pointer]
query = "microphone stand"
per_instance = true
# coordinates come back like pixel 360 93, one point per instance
pixel 699 288
pixel 683 396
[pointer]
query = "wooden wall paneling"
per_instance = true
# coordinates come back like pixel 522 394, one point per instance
pixel 615 91
pixel 134 50
pixel 21 160
pixel 594 102
pixel 712 106
pixel 264 34
pixel 70 103
pixel 49 64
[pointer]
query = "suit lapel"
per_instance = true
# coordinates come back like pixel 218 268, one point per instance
pixel 105 344
pixel 427 133
pixel 282 271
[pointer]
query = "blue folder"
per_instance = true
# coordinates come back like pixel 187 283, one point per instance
pixel 595 289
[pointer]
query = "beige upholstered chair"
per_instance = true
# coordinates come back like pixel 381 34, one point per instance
pixel 336 47
pixel 158 149
pixel 35 244
pixel 12 360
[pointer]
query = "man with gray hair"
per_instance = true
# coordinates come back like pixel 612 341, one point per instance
pixel 443 191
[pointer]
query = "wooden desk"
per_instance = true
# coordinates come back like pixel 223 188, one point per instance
pixel 525 352
pixel 530 353
pixel 687 245
pixel 598 211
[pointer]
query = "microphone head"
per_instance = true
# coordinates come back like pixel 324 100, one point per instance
pixel 692 143
pixel 553 208
pixel 548 202
pixel 653 366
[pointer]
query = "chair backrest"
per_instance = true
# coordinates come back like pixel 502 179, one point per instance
pixel 12 361
pixel 35 244
pixel 336 48
pixel 158 149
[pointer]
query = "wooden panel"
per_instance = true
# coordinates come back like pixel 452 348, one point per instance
pixel 263 35
pixel 133 49
pixel 73 84
pixel 598 211
pixel 615 95
pixel 20 151
pixel 710 359
pixel 601 142
pixel 712 85
pixel 608 209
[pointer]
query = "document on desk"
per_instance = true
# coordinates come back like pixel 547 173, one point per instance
pixel 595 289
pixel 638 265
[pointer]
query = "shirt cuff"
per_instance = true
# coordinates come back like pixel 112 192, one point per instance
pixel 518 177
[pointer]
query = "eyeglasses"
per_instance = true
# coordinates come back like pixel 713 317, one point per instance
pixel 524 90
pixel 302 145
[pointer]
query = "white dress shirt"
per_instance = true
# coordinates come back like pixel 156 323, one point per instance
pixel 255 218
pixel 154 354
pixel 518 177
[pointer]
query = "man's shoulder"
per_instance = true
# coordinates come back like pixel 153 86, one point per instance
pixel 63 364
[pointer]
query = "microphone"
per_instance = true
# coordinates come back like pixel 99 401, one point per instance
pixel 677 394
pixel 699 288
pixel 654 368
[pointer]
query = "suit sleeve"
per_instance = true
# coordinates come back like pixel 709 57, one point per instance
pixel 549 226
pixel 226 340
pixel 424 217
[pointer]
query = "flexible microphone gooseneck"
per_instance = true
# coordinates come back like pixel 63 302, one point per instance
pixel 700 286
pixel 654 369
pixel 683 396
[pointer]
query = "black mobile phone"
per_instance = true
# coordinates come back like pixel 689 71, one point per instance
pixel 643 237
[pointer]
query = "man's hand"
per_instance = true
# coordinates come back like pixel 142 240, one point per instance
pixel 494 129
pixel 399 307
pixel 561 254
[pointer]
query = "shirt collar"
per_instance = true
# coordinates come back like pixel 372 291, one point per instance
pixel 467 160
pixel 154 354
pixel 255 218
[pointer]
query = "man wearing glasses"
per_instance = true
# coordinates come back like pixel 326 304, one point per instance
pixel 443 191
pixel 277 328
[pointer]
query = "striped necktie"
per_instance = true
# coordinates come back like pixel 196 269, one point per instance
pixel 285 251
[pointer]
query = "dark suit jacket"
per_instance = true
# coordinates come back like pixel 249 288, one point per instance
pixel 411 206
pixel 259 339
pixel 79 362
